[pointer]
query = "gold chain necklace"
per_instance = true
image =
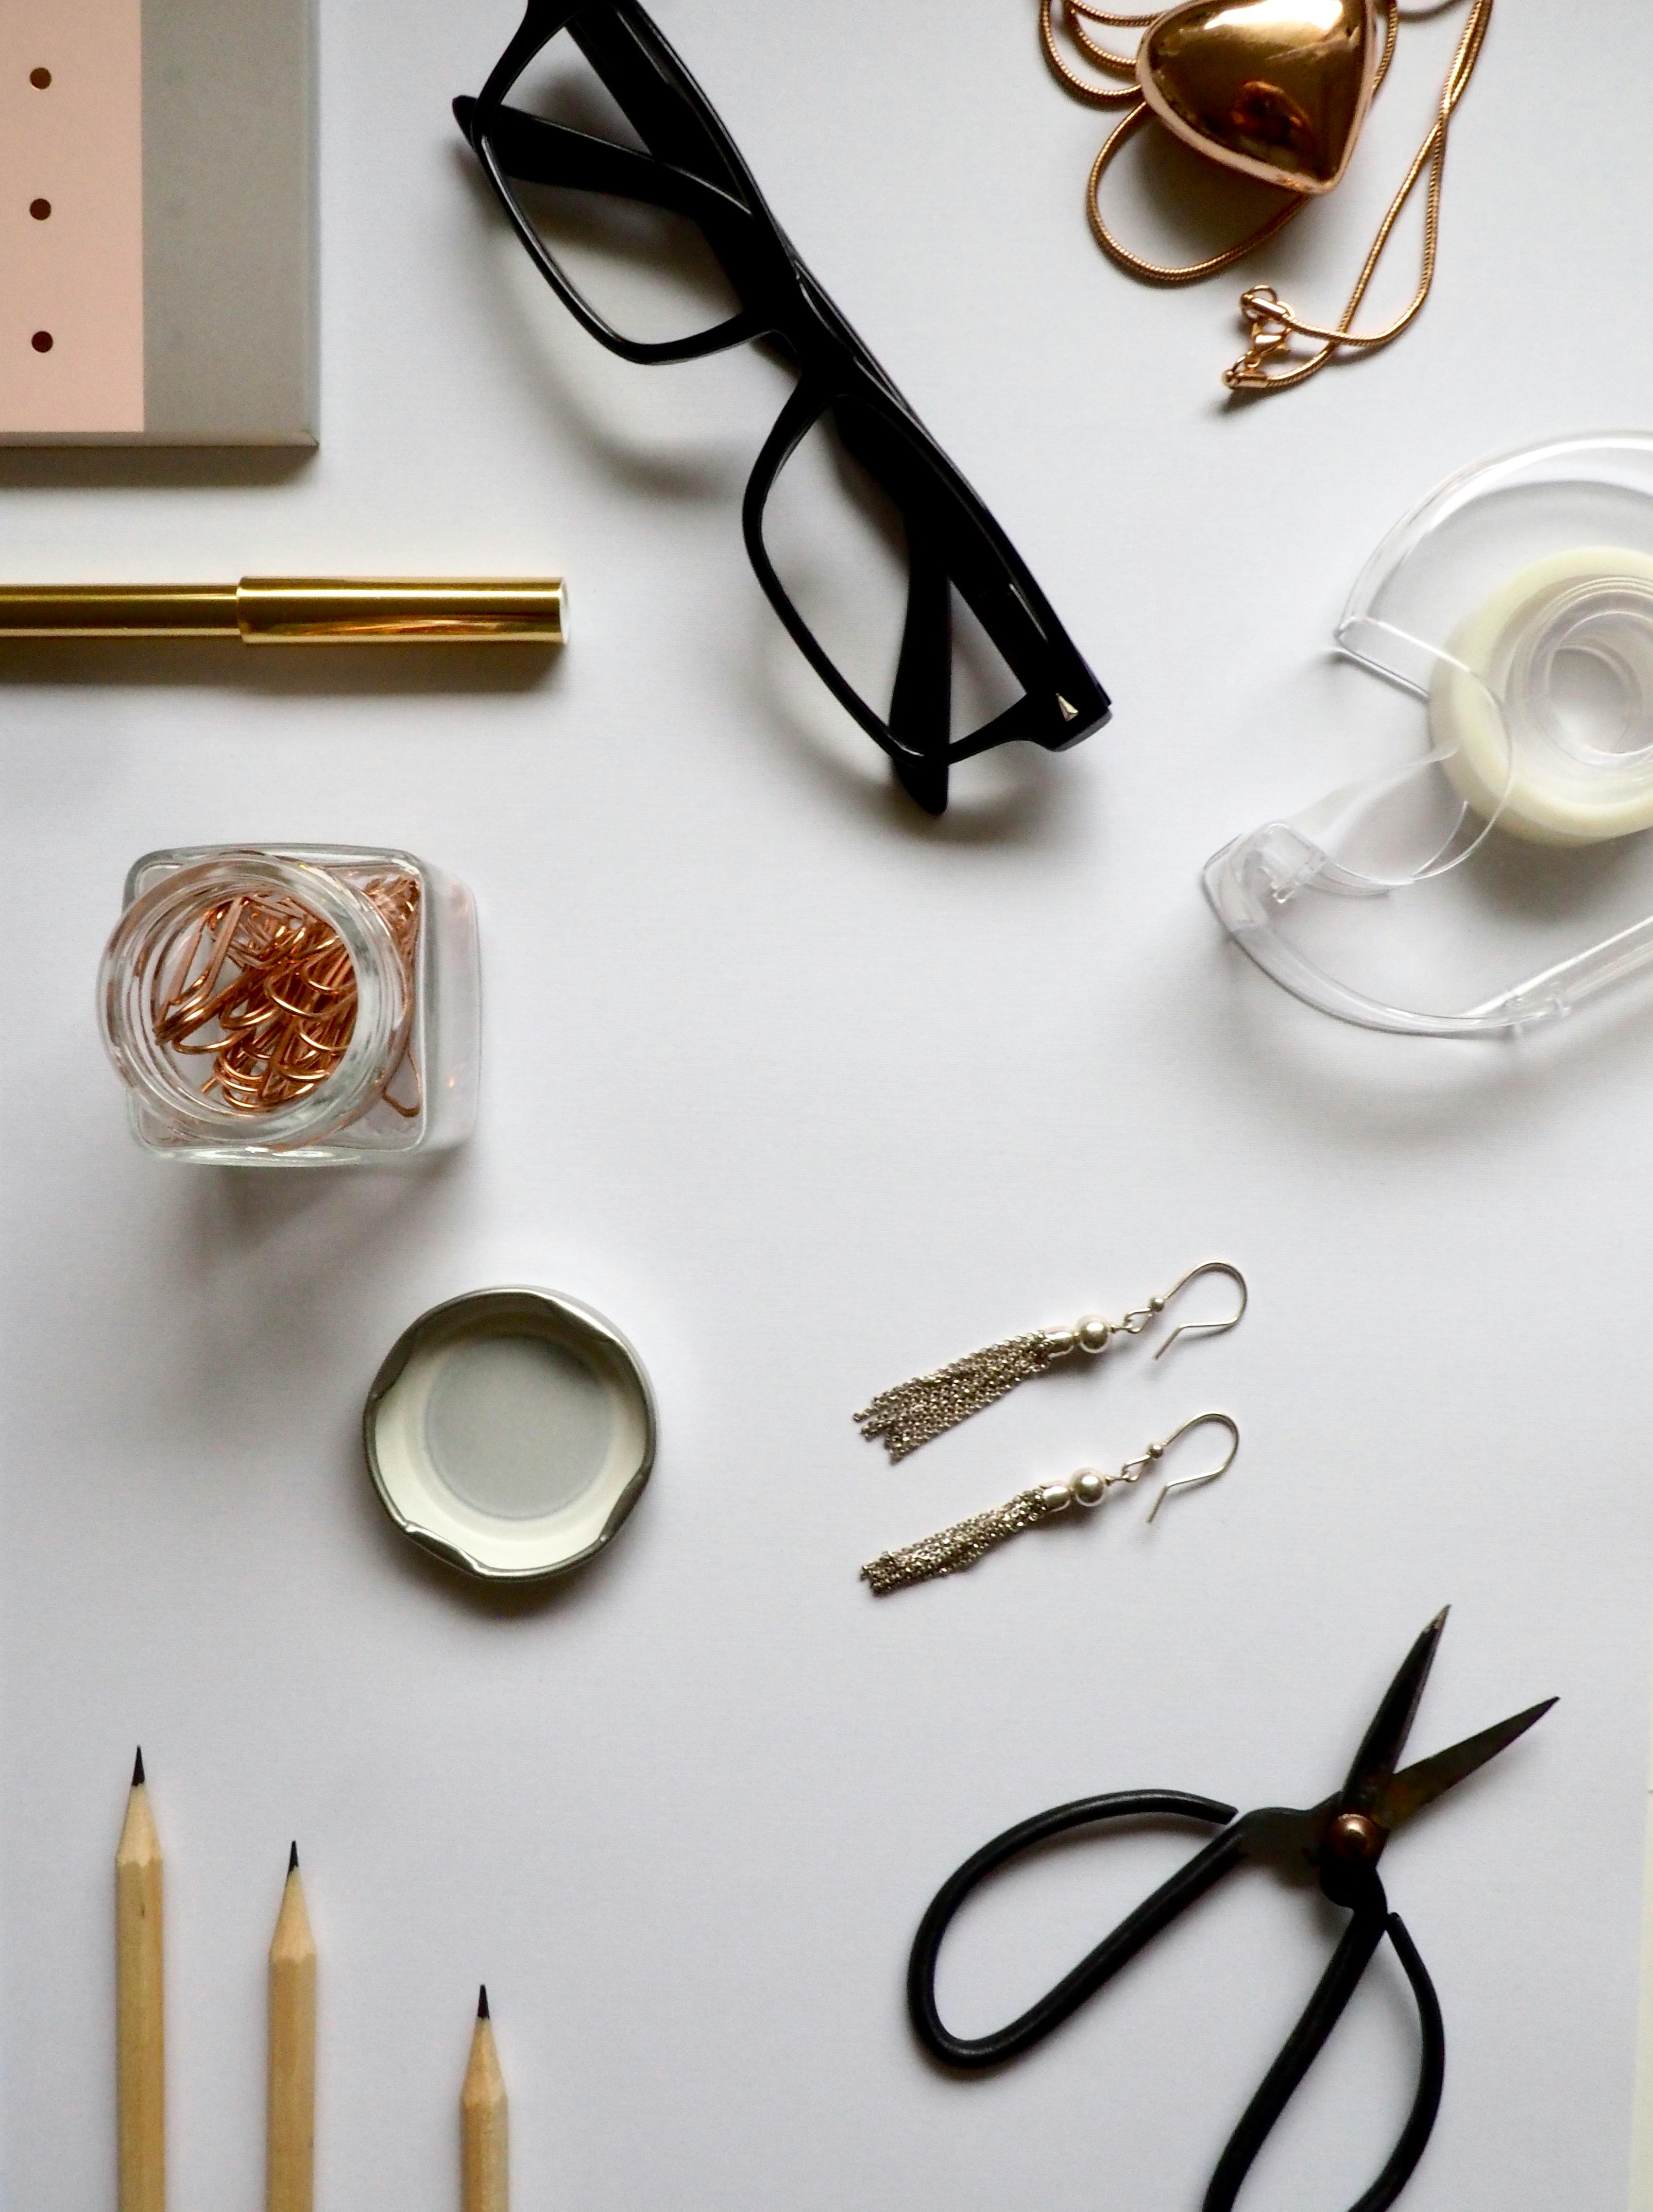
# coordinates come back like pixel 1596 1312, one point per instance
pixel 1275 90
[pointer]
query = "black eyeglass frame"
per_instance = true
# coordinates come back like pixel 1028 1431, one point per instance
pixel 693 168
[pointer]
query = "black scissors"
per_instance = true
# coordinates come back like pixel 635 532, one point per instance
pixel 1336 1844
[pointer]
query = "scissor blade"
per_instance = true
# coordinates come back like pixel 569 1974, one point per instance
pixel 1407 1793
pixel 1384 1740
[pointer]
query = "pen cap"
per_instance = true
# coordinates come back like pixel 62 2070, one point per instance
pixel 401 611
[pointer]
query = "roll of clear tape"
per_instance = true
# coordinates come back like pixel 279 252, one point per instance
pixel 1514 749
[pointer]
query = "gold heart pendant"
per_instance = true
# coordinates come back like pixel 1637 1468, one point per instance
pixel 1275 89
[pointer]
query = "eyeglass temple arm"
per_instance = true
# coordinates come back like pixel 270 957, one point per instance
pixel 920 703
pixel 676 122
pixel 531 150
pixel 532 34
pixel 920 710
pixel 534 151
pixel 633 74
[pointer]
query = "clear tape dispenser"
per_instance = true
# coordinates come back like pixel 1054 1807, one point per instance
pixel 1516 603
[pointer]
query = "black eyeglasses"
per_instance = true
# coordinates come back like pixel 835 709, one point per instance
pixel 961 572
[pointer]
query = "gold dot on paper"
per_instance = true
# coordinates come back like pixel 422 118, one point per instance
pixel 40 209
pixel 39 79
pixel 41 341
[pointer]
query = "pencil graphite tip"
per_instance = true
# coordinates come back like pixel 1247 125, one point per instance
pixel 137 1769
pixel 293 1860
pixel 482 2002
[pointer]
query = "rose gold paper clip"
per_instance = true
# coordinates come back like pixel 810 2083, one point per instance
pixel 299 610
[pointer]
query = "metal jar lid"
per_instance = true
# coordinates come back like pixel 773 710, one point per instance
pixel 510 1432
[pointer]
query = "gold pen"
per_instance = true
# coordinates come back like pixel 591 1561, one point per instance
pixel 299 610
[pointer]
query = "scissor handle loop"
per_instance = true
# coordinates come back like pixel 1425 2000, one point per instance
pixel 972 2053
pixel 1370 1921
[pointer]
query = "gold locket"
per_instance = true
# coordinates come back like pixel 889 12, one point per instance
pixel 1276 90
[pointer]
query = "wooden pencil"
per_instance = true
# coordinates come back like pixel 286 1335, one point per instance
pixel 140 2029
pixel 290 2159
pixel 484 2123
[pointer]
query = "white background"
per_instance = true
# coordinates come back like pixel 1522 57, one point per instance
pixel 808 1092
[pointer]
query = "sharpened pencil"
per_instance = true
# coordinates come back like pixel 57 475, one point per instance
pixel 140 2008
pixel 485 2124
pixel 290 2160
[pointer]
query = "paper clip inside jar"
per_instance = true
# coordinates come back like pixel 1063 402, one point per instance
pixel 1516 605
pixel 296 1005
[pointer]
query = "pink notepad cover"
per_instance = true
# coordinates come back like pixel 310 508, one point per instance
pixel 173 263
pixel 71 216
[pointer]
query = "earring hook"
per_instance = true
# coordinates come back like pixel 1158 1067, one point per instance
pixel 1204 1328
pixel 1156 1452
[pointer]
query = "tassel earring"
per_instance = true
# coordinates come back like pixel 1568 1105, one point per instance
pixel 950 1551
pixel 913 1412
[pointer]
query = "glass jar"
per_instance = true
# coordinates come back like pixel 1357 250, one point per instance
pixel 292 1006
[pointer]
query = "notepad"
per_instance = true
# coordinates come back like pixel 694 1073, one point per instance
pixel 157 217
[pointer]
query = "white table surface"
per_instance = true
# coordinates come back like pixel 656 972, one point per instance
pixel 807 1092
